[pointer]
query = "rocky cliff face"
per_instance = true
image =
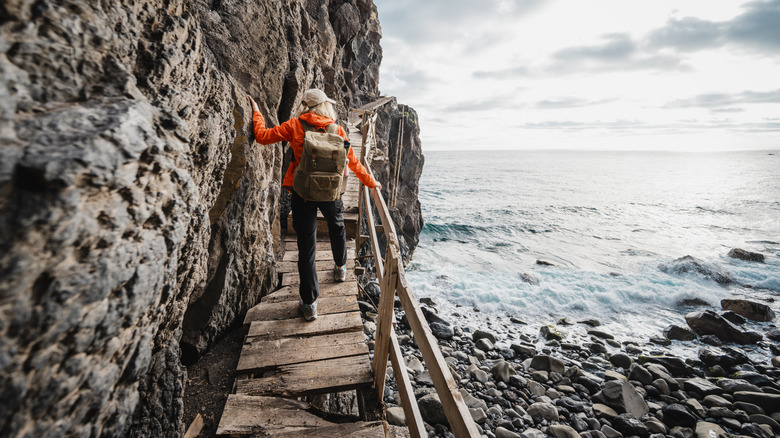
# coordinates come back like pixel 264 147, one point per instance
pixel 138 218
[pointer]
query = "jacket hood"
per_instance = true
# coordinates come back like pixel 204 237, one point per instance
pixel 316 120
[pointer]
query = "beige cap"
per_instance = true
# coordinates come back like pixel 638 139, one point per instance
pixel 314 97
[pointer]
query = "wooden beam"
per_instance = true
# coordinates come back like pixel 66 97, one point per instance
pixel 384 326
pixel 327 290
pixel 414 420
pixel 324 376
pixel 374 240
pixel 195 427
pixel 260 355
pixel 461 423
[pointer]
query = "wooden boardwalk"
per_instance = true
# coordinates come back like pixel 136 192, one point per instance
pixel 285 357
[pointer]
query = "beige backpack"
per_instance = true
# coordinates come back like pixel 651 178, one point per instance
pixel 320 172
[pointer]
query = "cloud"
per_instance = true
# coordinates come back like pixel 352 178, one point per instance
pixel 412 81
pixel 509 73
pixel 494 103
pixel 569 102
pixel 617 47
pixel 756 28
pixel 725 101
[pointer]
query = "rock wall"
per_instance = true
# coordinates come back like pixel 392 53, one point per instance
pixel 138 218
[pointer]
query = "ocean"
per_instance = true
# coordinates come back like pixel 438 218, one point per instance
pixel 611 225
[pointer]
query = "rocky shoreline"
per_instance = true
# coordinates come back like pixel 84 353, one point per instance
pixel 573 379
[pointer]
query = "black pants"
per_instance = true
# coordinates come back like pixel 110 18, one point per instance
pixel 304 215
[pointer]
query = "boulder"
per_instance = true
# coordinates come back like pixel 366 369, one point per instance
pixel 396 416
pixel 640 374
pixel 678 415
pixel 674 365
pixel 502 371
pixel 562 431
pixel 484 344
pixel 621 360
pixel 604 411
pixel 544 410
pixel 547 363
pixel 702 386
pixel 629 425
pixel 552 333
pixel 481 334
pixel 441 331
pixel 748 256
pixel 733 385
pixel 502 432
pixel 677 333
pixel 725 357
pixel 749 309
pixel 692 265
pixel 600 334
pixel 754 430
pixel 710 323
pixel 473 402
pixel 478 415
pixel 770 402
pixel 774 334
pixel 623 397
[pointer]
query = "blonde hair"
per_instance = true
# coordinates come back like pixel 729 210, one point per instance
pixel 324 109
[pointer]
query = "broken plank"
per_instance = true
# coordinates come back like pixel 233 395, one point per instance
pixel 324 324
pixel 290 293
pixel 325 376
pixel 290 278
pixel 289 309
pixel 258 355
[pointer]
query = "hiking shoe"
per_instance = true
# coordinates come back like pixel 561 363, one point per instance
pixel 309 311
pixel 340 274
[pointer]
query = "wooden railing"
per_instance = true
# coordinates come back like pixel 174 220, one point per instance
pixel 392 280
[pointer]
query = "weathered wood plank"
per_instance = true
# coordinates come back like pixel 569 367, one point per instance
pixel 384 326
pixel 321 255
pixel 292 266
pixel 327 290
pixel 374 429
pixel 259 354
pixel 289 309
pixel 195 427
pixel 290 278
pixel 323 325
pixel 325 376
pixel 414 419
pixel 246 415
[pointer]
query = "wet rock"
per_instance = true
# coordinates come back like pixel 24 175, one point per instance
pixel 481 334
pixel 414 366
pixel 702 386
pixel 753 377
pixel 552 333
pixel 682 432
pixel 741 254
pixel 547 363
pixel 477 374
pixel 655 425
pixel 695 407
pixel 677 333
pixel 712 401
pixel 530 279
pixel 770 402
pixel 734 318
pixel 473 402
pixel 756 431
pixel 600 334
pixel 774 334
pixel 530 433
pixel 621 360
pixel 749 309
pixel 692 265
pixel 484 345
pixel 524 350
pixel 673 365
pixel 610 432
pixel 441 331
pixel 623 397
pixel 710 323
pixel 640 374
pixel 478 415
pixel 629 425
pixel 749 408
pixel 725 357
pixel 769 421
pixel 678 415
pixel 731 386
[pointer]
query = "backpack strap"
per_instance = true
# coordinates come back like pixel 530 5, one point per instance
pixel 330 129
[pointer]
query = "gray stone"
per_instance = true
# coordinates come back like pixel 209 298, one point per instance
pixel 692 265
pixel 725 357
pixel 481 334
pixel 484 345
pixel 770 402
pixel 562 431
pixel 502 432
pixel 547 363
pixel 396 416
pixel 604 411
pixel 640 374
pixel 677 333
pixel 702 386
pixel 536 388
pixel 755 430
pixel 502 371
pixel 431 410
pixel 621 360
pixel 414 366
pixel 733 385
pixel 609 432
pixel 655 425
pixel 623 397
pixel 441 331
pixel 629 425
pixel 543 410
pixel 678 415
pixel 528 433
pixel 477 374
pixel 478 415
pixel 712 401
pixel 552 333
pixel 473 402
pixel 764 419
pixel 682 432
pixel 709 430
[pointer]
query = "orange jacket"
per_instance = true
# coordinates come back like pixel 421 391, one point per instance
pixel 293 132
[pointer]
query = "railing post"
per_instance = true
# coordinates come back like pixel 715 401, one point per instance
pixel 385 323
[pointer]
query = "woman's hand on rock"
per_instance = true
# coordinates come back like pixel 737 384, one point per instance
pixel 254 104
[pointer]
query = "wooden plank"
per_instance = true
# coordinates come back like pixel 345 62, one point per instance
pixel 372 233
pixel 327 290
pixel 324 376
pixel 374 429
pixel 384 216
pixel 259 354
pixel 247 415
pixel 321 255
pixel 291 278
pixel 384 326
pixel 289 309
pixel 322 245
pixel 414 419
pixel 195 427
pixel 292 266
pixel 461 423
pixel 324 324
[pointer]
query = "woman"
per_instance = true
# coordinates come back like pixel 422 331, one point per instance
pixel 317 110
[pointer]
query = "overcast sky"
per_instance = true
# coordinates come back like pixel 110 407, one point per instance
pixel 597 74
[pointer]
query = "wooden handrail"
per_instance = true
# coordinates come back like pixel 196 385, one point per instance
pixel 392 278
